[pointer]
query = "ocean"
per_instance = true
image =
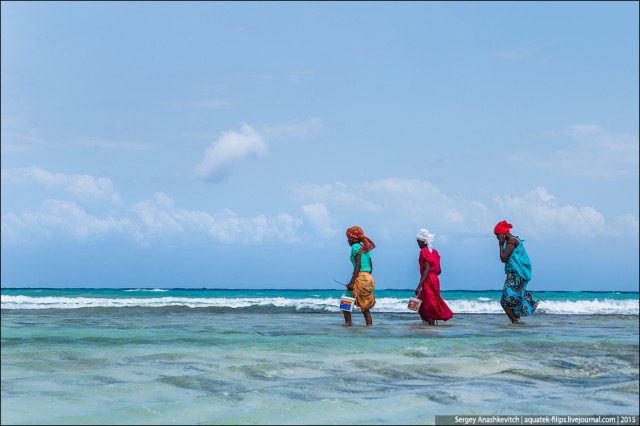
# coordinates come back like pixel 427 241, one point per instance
pixel 214 356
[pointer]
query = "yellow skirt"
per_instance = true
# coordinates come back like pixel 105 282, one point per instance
pixel 363 290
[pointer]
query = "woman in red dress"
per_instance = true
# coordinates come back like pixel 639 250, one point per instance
pixel 433 307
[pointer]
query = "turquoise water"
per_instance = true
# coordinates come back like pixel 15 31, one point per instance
pixel 111 356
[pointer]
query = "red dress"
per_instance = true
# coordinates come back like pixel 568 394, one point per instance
pixel 433 306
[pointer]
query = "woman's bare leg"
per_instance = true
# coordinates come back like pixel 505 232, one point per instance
pixel 429 320
pixel 513 317
pixel 347 317
pixel 367 316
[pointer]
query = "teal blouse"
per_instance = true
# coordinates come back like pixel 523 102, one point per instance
pixel 519 261
pixel 365 258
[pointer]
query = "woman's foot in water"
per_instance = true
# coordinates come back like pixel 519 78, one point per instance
pixel 429 321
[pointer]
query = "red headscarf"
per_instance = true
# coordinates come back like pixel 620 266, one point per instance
pixel 356 234
pixel 502 228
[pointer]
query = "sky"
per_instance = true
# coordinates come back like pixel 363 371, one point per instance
pixel 231 144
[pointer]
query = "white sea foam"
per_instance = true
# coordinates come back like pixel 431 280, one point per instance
pixel 151 290
pixel 606 306
pixel 579 307
pixel 480 305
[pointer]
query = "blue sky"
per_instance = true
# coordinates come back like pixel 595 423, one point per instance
pixel 231 144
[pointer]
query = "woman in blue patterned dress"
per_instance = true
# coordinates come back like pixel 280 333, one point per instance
pixel 516 300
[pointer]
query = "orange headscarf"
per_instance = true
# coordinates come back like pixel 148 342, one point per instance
pixel 356 234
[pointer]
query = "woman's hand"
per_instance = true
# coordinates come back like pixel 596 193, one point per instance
pixel 501 238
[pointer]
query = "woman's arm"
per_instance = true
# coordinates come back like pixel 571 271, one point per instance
pixel 424 276
pixel 505 251
pixel 371 244
pixel 356 271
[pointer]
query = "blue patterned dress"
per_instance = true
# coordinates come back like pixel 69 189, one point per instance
pixel 514 294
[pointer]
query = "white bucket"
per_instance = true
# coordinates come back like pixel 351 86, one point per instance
pixel 346 303
pixel 414 303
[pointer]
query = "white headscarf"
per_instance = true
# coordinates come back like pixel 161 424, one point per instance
pixel 427 238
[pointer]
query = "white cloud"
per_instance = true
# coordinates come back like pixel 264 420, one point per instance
pixel 421 202
pixel 109 144
pixel 82 185
pixel 229 227
pixel 230 148
pixel 628 223
pixel 63 216
pixel 337 194
pixel 155 218
pixel 154 215
pixel 18 136
pixel 592 151
pixel 294 130
pixel 319 218
pixel 159 216
pixel 395 204
pixel 539 212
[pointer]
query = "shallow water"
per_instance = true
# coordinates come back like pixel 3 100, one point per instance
pixel 177 365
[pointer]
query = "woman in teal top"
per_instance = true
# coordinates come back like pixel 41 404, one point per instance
pixel 516 300
pixel 362 284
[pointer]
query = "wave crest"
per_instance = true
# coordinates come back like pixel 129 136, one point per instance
pixel 480 305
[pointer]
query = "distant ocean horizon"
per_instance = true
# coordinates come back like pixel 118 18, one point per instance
pixel 81 356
